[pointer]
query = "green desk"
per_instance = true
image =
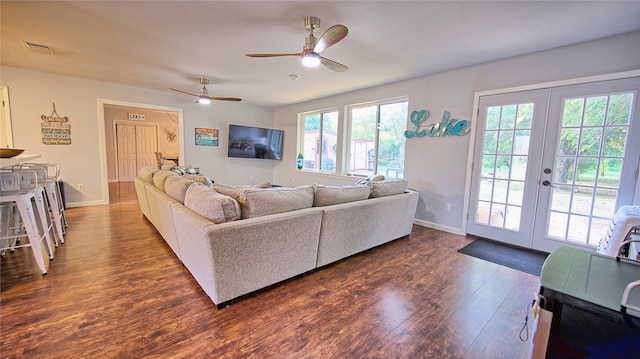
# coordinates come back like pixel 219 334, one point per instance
pixel 591 282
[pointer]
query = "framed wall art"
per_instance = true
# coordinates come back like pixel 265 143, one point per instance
pixel 206 137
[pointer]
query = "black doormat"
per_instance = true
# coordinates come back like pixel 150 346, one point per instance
pixel 519 258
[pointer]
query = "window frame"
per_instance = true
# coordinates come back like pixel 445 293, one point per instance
pixel 301 138
pixel 348 127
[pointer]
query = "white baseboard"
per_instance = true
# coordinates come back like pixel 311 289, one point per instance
pixel 458 231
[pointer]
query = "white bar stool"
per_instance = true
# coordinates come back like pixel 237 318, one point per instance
pixel 52 190
pixel 21 188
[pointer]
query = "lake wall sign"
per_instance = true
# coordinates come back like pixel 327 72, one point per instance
pixel 446 127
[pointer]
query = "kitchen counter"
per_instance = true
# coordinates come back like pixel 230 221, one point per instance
pixel 6 162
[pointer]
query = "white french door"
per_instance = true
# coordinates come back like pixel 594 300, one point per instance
pixel 551 166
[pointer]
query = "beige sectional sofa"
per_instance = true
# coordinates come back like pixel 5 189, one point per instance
pixel 235 240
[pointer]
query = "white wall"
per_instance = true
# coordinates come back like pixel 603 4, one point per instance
pixel 437 167
pixel 32 94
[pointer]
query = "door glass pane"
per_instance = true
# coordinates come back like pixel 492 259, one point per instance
pixel 516 192
pixel 595 110
pixel 512 217
pixel 590 141
pixel 586 181
pixel 560 198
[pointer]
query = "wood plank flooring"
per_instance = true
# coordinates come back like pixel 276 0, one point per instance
pixel 116 290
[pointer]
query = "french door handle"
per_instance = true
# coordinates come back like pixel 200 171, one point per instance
pixel 546 183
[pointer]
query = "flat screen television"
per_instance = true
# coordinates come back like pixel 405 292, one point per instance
pixel 255 142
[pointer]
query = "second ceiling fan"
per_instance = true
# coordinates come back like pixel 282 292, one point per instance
pixel 310 53
pixel 204 97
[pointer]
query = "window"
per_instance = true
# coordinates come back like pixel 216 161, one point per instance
pixel 372 143
pixel 376 138
pixel 320 140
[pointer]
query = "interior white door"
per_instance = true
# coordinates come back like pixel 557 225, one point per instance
pixel 136 148
pixel 146 146
pixel 126 141
pixel 506 165
pixel 590 162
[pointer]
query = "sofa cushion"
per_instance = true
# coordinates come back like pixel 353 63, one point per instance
pixel 176 187
pixel 388 187
pixel 146 174
pixel 328 195
pixel 257 202
pixel 160 177
pixel 210 204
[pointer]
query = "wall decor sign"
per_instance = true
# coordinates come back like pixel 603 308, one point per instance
pixel 206 137
pixel 447 127
pixel 55 129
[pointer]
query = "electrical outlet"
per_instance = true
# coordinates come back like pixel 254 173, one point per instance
pixel 447 207
pixel 80 187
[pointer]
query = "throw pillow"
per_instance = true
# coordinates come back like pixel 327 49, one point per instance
pixel 328 195
pixel 176 187
pixel 366 180
pixel 146 174
pixel 265 184
pixel 160 177
pixel 198 178
pixel 388 187
pixel 210 204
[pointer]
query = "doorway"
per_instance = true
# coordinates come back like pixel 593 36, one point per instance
pixel 172 128
pixel 551 166
pixel 136 145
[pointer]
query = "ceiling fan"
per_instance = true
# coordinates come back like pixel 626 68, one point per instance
pixel 204 97
pixel 310 53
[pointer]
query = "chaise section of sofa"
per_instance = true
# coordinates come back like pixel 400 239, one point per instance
pixel 235 258
pixel 353 227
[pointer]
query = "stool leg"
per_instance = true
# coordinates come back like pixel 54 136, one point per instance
pixel 61 206
pixel 29 220
pixel 55 209
pixel 45 221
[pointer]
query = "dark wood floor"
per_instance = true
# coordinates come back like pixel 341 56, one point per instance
pixel 116 290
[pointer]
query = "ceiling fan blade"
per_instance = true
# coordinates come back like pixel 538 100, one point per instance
pixel 335 66
pixel 330 37
pixel 273 55
pixel 188 93
pixel 225 98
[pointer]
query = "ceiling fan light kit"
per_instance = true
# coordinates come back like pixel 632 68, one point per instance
pixel 311 60
pixel 310 54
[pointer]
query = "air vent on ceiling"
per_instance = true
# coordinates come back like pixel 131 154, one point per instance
pixel 43 49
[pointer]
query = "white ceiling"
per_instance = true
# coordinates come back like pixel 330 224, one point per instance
pixel 163 44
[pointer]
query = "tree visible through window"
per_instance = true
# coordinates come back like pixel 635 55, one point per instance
pixel 377 142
